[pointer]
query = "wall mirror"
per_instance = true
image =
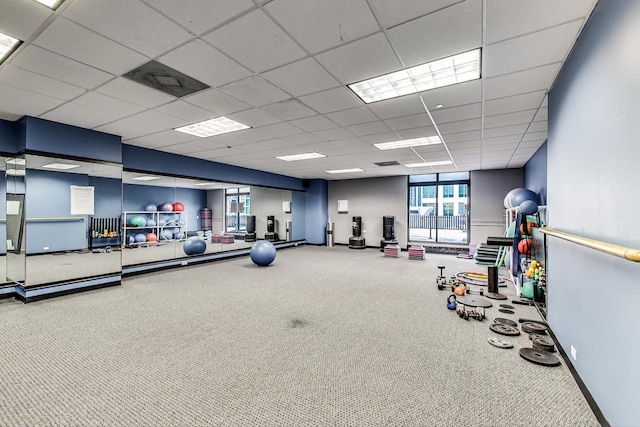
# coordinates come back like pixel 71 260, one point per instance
pixel 72 217
pixel 12 229
pixel 161 212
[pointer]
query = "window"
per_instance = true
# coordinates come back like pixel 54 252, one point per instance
pixel 462 190
pixel 447 209
pixel 447 191
pixel 429 192
pixel 462 209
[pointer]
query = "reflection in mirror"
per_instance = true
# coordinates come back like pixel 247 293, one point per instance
pixel 161 212
pixel 14 240
pixel 73 211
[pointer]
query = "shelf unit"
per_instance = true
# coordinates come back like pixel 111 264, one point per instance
pixel 171 221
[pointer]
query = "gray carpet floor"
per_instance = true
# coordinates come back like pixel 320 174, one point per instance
pixel 322 337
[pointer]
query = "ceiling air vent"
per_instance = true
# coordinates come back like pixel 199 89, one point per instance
pixel 165 79
pixel 390 163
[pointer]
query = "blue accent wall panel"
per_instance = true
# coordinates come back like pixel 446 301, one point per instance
pixel 298 215
pixel 144 159
pixel 9 136
pixel 535 177
pixel 107 197
pixel 49 196
pixel 316 211
pixel 592 162
pixel 58 138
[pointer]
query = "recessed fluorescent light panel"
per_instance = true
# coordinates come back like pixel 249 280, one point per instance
pixel 51 4
pixel 145 178
pixel 16 172
pixel 303 156
pixel 7 45
pixel 426 164
pixel 212 127
pixel 61 166
pixel 443 72
pixel 346 170
pixel 15 161
pixel 416 142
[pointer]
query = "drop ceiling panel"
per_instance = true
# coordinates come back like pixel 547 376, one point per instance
pixel 505 19
pixel 303 138
pixel 510 104
pixel 519 117
pixel 416 132
pixel 256 41
pixel 461 126
pixel 27 80
pixel 76 42
pixel 531 145
pixel 409 122
pixel 538 127
pixel 443 33
pixel 314 124
pixel 361 60
pixel 541 115
pixel 353 116
pixel 199 16
pixel 58 67
pixel 532 136
pixel 23 102
pixel 31 16
pixel 488 149
pixel 301 77
pixel 390 13
pixel 454 95
pixel 279 130
pixel 520 53
pixel 290 109
pixel 456 114
pixel 324 24
pixel 332 100
pixel 189 113
pixel 141 124
pixel 518 130
pixel 75 114
pixel 199 60
pixel 397 107
pixel 462 136
pixel 248 135
pixel 370 128
pixel 535 79
pixel 255 91
pixel 510 139
pixel 115 108
pixel 253 117
pixel 135 93
pixel 217 102
pixel 333 134
pixel 161 139
pixel 129 22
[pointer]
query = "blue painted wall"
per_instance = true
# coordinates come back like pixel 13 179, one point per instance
pixel 593 152
pixel 535 173
pixel 298 215
pixel 144 159
pixel 107 197
pixel 316 211
pixel 52 137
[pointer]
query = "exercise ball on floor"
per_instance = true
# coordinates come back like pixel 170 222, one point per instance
pixel 263 253
pixel 194 246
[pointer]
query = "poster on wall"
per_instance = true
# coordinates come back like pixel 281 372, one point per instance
pixel 343 206
pixel 81 200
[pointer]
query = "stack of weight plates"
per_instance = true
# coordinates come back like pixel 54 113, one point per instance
pixel 416 253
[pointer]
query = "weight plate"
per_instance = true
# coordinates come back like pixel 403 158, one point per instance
pixel 539 357
pixel 499 342
pixel 474 302
pixel 507 306
pixel 530 327
pixel 507 322
pixel 495 295
pixel 506 311
pixel 543 343
pixel 532 336
pixel 502 329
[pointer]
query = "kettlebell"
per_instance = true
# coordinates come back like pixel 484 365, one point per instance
pixel 459 289
pixel 451 302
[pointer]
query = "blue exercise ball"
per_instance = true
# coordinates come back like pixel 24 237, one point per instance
pixel 151 222
pixel 518 195
pixel 194 246
pixel 166 234
pixel 151 208
pixel 528 207
pixel 263 253
pixel 140 238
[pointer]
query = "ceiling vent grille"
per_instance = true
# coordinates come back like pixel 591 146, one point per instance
pixel 390 163
pixel 165 79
